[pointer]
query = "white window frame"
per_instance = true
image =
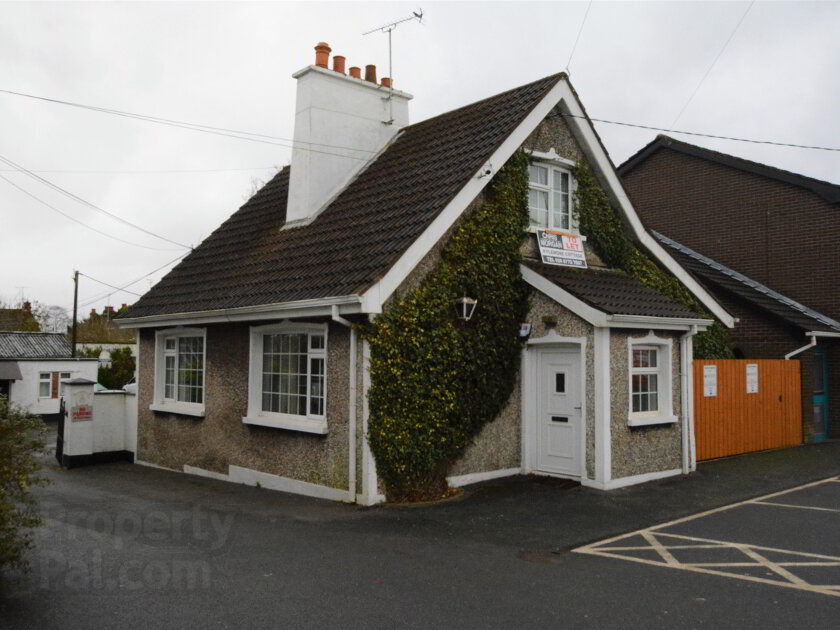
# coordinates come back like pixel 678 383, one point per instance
pixel 308 423
pixel 553 161
pixel 47 380
pixel 664 376
pixel 172 405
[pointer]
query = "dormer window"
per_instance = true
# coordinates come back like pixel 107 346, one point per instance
pixel 550 196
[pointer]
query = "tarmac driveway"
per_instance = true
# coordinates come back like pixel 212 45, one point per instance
pixel 132 546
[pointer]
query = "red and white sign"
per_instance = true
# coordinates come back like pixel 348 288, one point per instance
pixel 81 412
pixel 559 248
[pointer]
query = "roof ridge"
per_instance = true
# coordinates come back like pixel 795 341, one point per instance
pixel 753 284
pixel 556 77
pixel 827 190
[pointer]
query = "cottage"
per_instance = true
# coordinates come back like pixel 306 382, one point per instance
pixel 33 366
pixel 251 364
pixel 763 240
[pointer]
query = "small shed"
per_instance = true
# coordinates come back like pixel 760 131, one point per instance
pixel 33 366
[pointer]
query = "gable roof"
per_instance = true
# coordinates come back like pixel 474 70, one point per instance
pixel 612 292
pixel 250 261
pixel 755 293
pixel 828 191
pixel 33 345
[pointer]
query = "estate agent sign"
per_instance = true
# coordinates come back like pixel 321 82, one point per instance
pixel 558 248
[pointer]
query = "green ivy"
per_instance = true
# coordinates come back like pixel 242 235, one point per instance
pixel 437 380
pixel 607 233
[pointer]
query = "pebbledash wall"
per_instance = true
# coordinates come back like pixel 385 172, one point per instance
pixel 220 439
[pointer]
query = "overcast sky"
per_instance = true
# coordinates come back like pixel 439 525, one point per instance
pixel 229 65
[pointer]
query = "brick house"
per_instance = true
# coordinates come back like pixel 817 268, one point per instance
pixel 777 230
pixel 602 396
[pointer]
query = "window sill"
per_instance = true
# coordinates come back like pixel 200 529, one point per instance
pixel 183 409
pixel 289 422
pixel 572 232
pixel 652 420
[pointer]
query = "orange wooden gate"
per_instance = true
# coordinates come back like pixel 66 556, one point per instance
pixel 733 421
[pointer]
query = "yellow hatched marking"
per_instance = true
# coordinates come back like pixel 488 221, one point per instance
pixel 798 507
pixel 786 578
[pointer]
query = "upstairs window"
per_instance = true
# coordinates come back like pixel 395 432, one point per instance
pixel 549 197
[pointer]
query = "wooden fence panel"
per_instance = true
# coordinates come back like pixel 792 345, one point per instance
pixel 734 421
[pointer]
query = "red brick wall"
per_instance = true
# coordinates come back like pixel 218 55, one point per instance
pixel 781 235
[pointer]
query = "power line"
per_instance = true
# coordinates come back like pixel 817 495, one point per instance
pixel 709 70
pixel 75 220
pixel 90 301
pixel 110 285
pixel 145 171
pixel 704 135
pixel 580 30
pixel 84 202
pixel 219 131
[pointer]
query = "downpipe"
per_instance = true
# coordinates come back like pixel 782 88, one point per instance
pixel 686 370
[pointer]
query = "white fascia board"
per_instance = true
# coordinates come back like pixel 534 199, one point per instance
pixel 348 304
pixel 564 298
pixel 376 296
pixel 647 321
pixel 585 134
pixel 817 333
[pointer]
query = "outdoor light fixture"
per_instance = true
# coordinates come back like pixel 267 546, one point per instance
pixel 465 307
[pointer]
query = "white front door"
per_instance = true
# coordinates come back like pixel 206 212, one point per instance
pixel 559 412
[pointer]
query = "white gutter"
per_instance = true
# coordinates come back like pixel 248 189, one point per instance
pixel 300 308
pixel 351 423
pixel 686 397
pixel 803 348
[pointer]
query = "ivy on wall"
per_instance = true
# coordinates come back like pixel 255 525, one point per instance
pixel 607 233
pixel 437 380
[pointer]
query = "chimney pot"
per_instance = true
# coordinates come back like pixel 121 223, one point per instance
pixel 322 54
pixel 370 73
pixel 386 82
pixel 338 63
pixel 356 72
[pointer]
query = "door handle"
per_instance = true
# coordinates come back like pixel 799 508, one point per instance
pixel 578 407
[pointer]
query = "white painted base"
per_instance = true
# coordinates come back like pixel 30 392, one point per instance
pixel 463 480
pixel 140 462
pixel 543 473
pixel 363 499
pixel 612 484
pixel 249 477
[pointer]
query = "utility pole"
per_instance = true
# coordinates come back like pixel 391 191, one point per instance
pixel 75 309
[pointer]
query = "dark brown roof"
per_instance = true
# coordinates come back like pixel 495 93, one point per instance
pixel 33 345
pixel 249 261
pixel 718 276
pixel 828 191
pixel 612 292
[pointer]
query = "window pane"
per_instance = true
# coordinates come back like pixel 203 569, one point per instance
pixel 316 342
pixel 65 375
pixel 538 207
pixel 538 174
pixel 560 383
pixel 44 389
pixel 190 369
pixel 316 386
pixel 169 343
pixel 169 377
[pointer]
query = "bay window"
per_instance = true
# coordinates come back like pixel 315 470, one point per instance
pixel 288 377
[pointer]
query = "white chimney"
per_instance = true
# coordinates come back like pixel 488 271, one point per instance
pixel 341 122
